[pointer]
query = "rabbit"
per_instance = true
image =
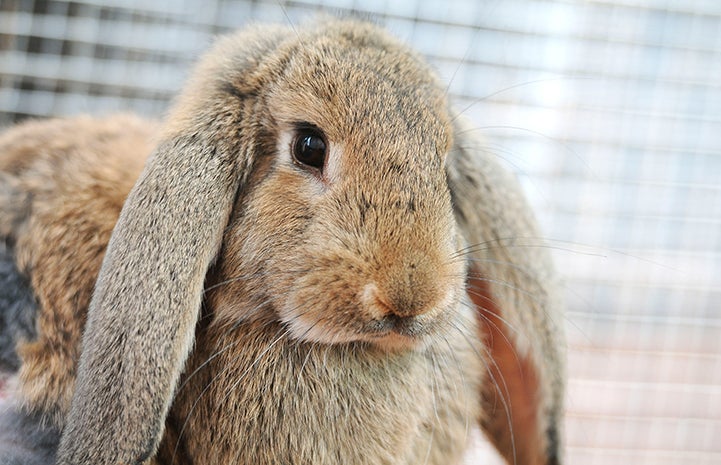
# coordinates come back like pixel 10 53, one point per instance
pixel 310 260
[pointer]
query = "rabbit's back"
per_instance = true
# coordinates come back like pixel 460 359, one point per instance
pixel 62 185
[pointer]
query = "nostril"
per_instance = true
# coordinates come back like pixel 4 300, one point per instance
pixel 375 300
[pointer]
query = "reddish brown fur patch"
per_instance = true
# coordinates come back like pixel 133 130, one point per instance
pixel 512 387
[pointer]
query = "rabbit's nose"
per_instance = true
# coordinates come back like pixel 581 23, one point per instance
pixel 402 300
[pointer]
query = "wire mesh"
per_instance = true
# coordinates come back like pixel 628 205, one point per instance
pixel 609 111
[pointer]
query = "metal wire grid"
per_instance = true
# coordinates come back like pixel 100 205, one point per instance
pixel 609 111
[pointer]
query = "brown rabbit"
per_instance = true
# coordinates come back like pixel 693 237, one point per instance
pixel 317 264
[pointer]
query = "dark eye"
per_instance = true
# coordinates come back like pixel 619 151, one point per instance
pixel 309 148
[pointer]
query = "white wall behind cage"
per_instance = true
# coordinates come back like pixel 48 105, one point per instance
pixel 608 110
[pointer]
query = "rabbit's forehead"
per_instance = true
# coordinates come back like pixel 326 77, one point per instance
pixel 375 96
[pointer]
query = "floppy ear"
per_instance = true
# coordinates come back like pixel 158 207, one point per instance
pixel 147 298
pixel 510 285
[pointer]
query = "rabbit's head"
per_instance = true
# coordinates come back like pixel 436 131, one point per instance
pixel 306 168
pixel 345 228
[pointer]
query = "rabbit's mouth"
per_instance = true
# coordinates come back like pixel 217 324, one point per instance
pixel 392 331
pixel 404 325
pixel 389 332
pixel 395 331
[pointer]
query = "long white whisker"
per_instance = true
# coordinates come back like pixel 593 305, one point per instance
pixel 223 372
pixel 501 392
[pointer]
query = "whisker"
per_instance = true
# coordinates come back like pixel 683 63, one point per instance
pixel 434 373
pixel 290 23
pixel 223 372
pixel 520 166
pixel 518 85
pixel 501 392
pixel 207 362
pixel 461 62
pixel 535 298
pixel 506 339
pixel 310 345
pixel 496 151
pixel 494 325
pixel 510 242
pixel 526 271
pixel 459 368
pixel 434 387
pixel 280 334
pixel 255 274
pixel 555 140
pixel 227 331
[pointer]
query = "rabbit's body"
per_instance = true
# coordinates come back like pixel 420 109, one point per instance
pixel 253 392
pixel 308 269
pixel 64 183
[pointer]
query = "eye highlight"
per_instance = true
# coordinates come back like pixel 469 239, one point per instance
pixel 309 147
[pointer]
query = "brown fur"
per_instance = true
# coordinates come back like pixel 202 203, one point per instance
pixel 75 174
pixel 286 365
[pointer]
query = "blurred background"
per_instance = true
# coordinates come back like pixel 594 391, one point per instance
pixel 609 111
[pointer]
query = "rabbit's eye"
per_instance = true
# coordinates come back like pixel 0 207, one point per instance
pixel 309 148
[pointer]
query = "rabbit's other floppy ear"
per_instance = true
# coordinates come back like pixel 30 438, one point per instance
pixel 510 283
pixel 143 314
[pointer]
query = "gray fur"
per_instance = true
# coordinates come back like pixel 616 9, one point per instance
pixel 24 439
pixel 180 235
pixel 17 311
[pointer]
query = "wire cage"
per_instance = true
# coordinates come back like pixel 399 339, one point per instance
pixel 609 111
